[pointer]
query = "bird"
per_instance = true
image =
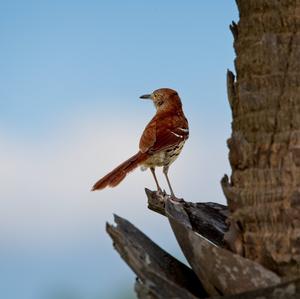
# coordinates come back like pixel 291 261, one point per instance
pixel 160 144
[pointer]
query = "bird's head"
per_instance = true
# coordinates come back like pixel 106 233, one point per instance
pixel 164 99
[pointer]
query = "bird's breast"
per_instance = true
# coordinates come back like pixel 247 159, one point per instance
pixel 164 157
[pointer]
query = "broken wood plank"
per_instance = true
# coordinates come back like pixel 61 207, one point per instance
pixel 160 274
pixel 208 219
pixel 220 271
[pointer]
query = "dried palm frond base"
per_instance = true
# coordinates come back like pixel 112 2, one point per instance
pixel 215 272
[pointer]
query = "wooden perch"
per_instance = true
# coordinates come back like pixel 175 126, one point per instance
pixel 160 275
pixel 207 219
pixel 199 229
pixel 220 271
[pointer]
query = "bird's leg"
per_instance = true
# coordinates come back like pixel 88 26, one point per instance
pixel 156 181
pixel 165 171
pixel 173 197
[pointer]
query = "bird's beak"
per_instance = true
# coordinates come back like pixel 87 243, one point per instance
pixel 146 96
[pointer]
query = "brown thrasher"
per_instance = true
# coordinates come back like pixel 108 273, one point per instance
pixel 161 142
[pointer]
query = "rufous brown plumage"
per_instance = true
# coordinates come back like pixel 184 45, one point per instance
pixel 161 141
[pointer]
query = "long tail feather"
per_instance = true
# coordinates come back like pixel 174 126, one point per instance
pixel 115 177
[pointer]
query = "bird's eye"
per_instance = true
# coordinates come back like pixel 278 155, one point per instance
pixel 160 102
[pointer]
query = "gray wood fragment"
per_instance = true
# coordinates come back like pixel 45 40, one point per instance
pixel 156 202
pixel 220 271
pixel 142 291
pixel 161 275
pixel 207 219
pixel 287 290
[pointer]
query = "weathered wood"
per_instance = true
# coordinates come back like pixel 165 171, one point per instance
pixel 142 291
pixel 199 227
pixel 220 271
pixel 287 290
pixel 156 201
pixel 207 219
pixel 161 275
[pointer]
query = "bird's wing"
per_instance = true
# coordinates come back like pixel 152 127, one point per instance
pixel 149 136
pixel 161 134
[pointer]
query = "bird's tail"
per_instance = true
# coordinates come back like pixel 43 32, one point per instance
pixel 115 177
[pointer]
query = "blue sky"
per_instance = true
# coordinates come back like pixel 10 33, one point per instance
pixel 71 73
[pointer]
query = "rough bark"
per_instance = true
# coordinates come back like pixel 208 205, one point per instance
pixel 263 192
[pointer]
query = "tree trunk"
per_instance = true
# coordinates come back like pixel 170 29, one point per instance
pixel 264 190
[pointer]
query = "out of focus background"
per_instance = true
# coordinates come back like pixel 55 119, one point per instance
pixel 71 74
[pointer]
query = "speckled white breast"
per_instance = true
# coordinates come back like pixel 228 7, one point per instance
pixel 163 158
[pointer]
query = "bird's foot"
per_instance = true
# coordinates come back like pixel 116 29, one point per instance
pixel 175 199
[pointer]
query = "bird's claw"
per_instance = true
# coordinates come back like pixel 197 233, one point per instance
pixel 176 200
pixel 162 194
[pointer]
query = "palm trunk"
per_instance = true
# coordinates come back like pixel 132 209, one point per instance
pixel 264 191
